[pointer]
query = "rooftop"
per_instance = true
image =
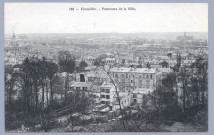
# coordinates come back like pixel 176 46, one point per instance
pixel 81 84
pixel 133 70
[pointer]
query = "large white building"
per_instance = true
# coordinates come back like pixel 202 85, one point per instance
pixel 108 96
pixel 135 78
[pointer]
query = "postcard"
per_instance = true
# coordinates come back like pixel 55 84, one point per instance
pixel 106 67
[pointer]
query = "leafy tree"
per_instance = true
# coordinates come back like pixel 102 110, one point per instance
pixel 52 69
pixel 184 79
pixel 178 65
pixel 164 64
pixel 83 65
pixel 148 65
pixel 200 67
pixel 66 62
pixel 98 62
pixel 43 64
pixel 169 84
pixel 169 55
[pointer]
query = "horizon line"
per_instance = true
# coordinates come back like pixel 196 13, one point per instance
pixel 109 32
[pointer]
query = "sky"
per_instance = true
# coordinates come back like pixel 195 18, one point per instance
pixel 147 17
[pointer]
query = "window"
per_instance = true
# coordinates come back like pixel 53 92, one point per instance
pixel 140 76
pixel 77 88
pixel 102 102
pixel 140 82
pixel 151 82
pixel 107 97
pixel 107 102
pixel 144 82
pixel 102 96
pixel 147 84
pixel 150 76
pixel 143 76
pixel 102 90
pixel 116 76
pixel 126 75
pixel 122 76
pixel 82 78
pixel 107 91
pixel 135 100
pixel 123 81
pixel 134 95
pixel 147 76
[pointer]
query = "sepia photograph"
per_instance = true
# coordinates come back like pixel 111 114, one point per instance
pixel 105 67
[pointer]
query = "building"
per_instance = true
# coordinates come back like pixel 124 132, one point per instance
pixel 88 88
pixel 109 61
pixel 108 96
pixel 135 78
pixel 90 60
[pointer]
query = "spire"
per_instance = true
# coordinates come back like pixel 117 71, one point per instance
pixel 14 36
pixel 94 27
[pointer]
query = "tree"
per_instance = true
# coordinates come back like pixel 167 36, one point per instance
pixel 66 64
pixel 169 55
pixel 118 98
pixel 98 62
pixel 164 64
pixel 36 75
pixel 200 67
pixel 9 83
pixel 43 64
pixel 169 83
pixel 24 80
pixel 83 65
pixel 148 65
pixel 184 79
pixel 52 69
pixel 178 65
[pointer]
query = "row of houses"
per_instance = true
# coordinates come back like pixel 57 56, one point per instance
pixel 130 84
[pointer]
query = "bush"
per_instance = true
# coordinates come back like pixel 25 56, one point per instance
pixel 201 118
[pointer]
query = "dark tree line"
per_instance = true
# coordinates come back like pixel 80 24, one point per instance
pixel 186 90
pixel 30 89
pixel 27 79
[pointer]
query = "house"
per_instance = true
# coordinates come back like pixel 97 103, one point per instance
pixel 108 96
pixel 133 78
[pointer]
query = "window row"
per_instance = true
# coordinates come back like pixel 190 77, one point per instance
pixel 140 82
pixel 83 88
pixel 105 102
pixel 105 96
pixel 105 90
pixel 141 76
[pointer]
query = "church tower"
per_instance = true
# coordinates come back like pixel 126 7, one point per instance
pixel 14 42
